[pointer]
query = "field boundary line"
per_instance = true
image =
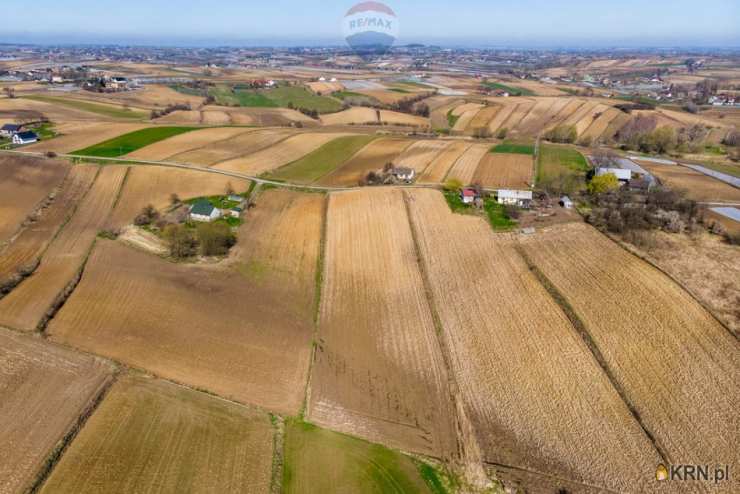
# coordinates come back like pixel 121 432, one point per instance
pixel 582 330
pixel 447 172
pixel 466 436
pixel 543 474
pixel 239 156
pixel 704 305
pixel 63 444
pixel 278 453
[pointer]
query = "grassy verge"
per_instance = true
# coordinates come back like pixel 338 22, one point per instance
pixel 105 110
pixel 512 90
pixel 324 160
pixel 128 143
pixel 555 161
pixel 452 119
pixel 319 460
pixel 513 148
pixel 494 212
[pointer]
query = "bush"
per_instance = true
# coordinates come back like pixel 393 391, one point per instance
pixel 453 185
pixel 501 134
pixel 562 134
pixel 147 216
pixel 603 183
pixel 180 241
pixel 215 239
pixel 732 139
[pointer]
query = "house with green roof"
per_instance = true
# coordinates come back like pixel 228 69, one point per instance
pixel 204 211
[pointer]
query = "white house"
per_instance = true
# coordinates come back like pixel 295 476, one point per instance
pixel 404 173
pixel 204 211
pixel 621 174
pixel 27 137
pixel 468 196
pixel 236 212
pixel 521 198
pixel 9 130
pixel 566 202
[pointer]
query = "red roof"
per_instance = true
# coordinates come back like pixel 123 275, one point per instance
pixel 374 6
pixel 468 193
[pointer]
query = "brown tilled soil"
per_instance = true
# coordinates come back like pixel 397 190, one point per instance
pixel 44 390
pixel 698 186
pixel 372 157
pixel 511 171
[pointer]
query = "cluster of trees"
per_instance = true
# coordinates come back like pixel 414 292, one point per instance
pixel 169 109
pixel 409 105
pixel 642 134
pixel 562 134
pixel 309 112
pixel 630 107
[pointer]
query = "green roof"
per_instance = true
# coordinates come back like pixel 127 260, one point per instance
pixel 203 208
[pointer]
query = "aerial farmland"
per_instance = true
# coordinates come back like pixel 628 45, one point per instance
pixel 422 270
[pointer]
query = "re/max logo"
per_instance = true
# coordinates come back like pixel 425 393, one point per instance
pixel 371 22
pixel 706 473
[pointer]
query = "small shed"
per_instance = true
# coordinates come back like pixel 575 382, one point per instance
pixel 621 174
pixel 468 195
pixel 236 212
pixel 566 202
pixel 520 198
pixel 27 137
pixel 204 211
pixel 235 198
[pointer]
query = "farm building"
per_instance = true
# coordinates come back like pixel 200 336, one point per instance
pixel 235 198
pixel 621 174
pixel 27 137
pixel 468 196
pixel 9 130
pixel 404 173
pixel 521 198
pixel 566 202
pixel 204 211
pixel 236 212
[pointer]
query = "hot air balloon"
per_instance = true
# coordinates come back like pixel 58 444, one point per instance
pixel 370 28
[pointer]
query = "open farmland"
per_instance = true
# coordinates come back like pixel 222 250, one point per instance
pixel 372 157
pixel 182 143
pixel 698 186
pixel 100 109
pixel 128 143
pixel 438 168
pixel 555 161
pixel 370 116
pixel 465 167
pixel 518 361
pixel 287 151
pixel 322 161
pixel 77 135
pixel 654 339
pixel 25 251
pixel 45 389
pixel 25 183
pixel 155 185
pixel 151 96
pixel 510 171
pixel 384 380
pixel 420 154
pixel 465 113
pixel 36 298
pixel 242 144
pixel 249 342
pixel 151 435
pixel 320 461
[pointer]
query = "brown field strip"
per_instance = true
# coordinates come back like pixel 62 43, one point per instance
pixel 615 125
pixel 25 183
pixel 466 117
pixel 26 249
pixel 29 303
pixel 672 360
pixel 243 144
pixel 439 115
pixel 149 97
pixel 521 111
pixel 45 389
pixel 155 185
pixel 582 112
pixel 213 117
pixel 601 123
pixel 590 118
pixel 181 117
pixel 495 124
pixel 378 370
pixel 532 122
pixel 150 435
pixel 518 361
pixel 79 135
pixel 360 116
pixel 465 167
pixel 240 329
pixel 502 170
pixel 372 157
pixel 280 154
pixel 420 154
pixel 566 111
pixel 483 118
pixel 186 142
pixel 698 186
pixel 438 168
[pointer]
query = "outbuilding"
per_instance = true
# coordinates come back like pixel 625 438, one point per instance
pixel 204 211
pixel 520 198
pixel 566 202
pixel 468 195
pixel 9 130
pixel 622 175
pixel 27 137
pixel 404 173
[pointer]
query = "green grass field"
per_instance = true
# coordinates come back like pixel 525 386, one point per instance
pixel 128 143
pixel 512 90
pixel 559 160
pixel 513 148
pixel 282 96
pixel 452 119
pixel 319 461
pixel 322 161
pixel 105 110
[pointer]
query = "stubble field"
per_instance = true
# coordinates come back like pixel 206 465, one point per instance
pixel 511 171
pixel 438 168
pixel 372 157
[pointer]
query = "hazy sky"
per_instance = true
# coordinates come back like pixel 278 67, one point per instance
pixel 483 22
